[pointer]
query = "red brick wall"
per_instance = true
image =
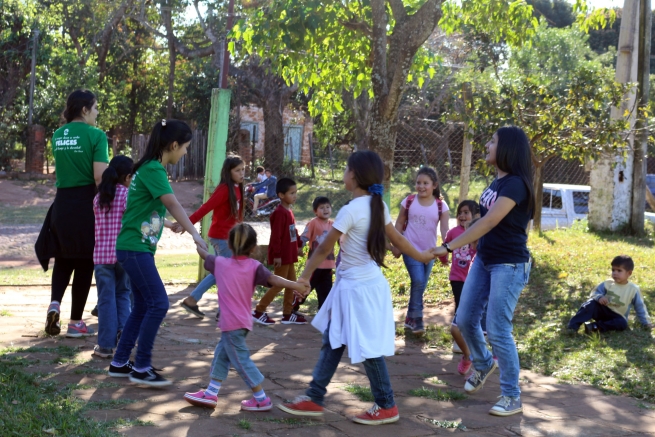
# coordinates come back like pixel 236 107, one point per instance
pixel 254 114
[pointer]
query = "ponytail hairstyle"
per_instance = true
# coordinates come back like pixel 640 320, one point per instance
pixel 432 174
pixel 120 167
pixel 163 135
pixel 513 157
pixel 76 102
pixel 368 170
pixel 242 239
pixel 232 161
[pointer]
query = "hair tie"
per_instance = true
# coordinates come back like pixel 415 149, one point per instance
pixel 376 189
pixel 163 122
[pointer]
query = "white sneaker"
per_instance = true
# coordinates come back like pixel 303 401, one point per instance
pixel 457 349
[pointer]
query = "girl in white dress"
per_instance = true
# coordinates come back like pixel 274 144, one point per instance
pixel 358 312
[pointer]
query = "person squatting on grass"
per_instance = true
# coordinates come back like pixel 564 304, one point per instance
pixel 421 216
pixel 236 278
pixel 226 203
pixel 610 302
pixel 149 196
pixel 81 156
pixel 315 232
pixel 283 249
pixel 113 284
pixel 358 312
pixel 501 268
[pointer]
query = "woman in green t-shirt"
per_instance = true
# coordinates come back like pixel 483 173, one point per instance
pixel 148 198
pixel 81 155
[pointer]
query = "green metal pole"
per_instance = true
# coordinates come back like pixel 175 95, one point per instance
pixel 219 119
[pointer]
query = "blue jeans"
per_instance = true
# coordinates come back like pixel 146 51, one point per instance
pixel 328 360
pixel 418 275
pixel 498 287
pixel 114 304
pixel 232 350
pixel 150 307
pixel 606 319
pixel 220 248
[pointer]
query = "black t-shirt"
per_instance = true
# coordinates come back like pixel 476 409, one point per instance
pixel 506 243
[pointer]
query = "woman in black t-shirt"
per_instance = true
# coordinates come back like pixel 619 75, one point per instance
pixel 501 268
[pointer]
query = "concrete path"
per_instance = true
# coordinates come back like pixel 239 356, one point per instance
pixel 286 356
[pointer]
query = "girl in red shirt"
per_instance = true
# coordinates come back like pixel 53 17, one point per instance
pixel 227 206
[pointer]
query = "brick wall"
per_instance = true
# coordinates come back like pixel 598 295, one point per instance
pixel 254 114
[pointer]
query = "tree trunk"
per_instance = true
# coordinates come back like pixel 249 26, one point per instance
pixel 383 138
pixel 167 15
pixel 361 110
pixel 273 132
pixel 538 186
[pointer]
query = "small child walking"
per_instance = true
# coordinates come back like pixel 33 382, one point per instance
pixel 227 205
pixel 235 291
pixel 421 216
pixel 315 232
pixel 149 196
pixel 112 282
pixel 611 301
pixel 283 249
pixel 358 312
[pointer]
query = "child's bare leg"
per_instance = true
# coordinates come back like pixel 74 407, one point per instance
pixel 459 339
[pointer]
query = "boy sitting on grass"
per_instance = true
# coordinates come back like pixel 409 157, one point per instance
pixel 611 301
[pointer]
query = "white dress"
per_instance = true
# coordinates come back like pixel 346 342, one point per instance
pixel 359 304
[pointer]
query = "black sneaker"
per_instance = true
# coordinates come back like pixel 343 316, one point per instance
pixel 590 327
pixel 122 371
pixel 94 311
pixel 150 378
pixel 52 326
pixel 218 315
pixel 193 309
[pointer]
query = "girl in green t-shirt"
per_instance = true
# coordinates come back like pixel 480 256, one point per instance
pixel 149 196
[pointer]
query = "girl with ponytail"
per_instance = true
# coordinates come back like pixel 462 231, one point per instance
pixel 111 280
pixel 358 312
pixel 150 195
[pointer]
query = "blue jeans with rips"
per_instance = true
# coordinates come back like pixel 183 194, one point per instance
pixel 150 307
pixel 419 274
pixel 498 287
pixel 232 350
pixel 114 302
pixel 328 360
pixel 220 248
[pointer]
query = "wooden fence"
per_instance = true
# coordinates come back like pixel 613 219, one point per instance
pixel 191 166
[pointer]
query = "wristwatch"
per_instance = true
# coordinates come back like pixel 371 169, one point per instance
pixel 448 249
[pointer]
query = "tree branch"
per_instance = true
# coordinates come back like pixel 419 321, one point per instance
pixel 358 26
pixel 205 29
pixel 379 48
pixel 105 37
pixel 398 9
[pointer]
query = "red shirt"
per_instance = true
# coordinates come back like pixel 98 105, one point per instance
pixel 285 241
pixel 107 226
pixel 222 220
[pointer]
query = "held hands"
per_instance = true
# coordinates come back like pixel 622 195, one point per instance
pixel 202 252
pixel 177 228
pixel 304 283
pixel 200 243
pixel 396 252
pixel 603 301
pixel 439 251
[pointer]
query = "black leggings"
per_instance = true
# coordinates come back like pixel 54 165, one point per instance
pixel 61 275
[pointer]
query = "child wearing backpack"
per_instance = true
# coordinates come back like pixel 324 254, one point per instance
pixel 421 216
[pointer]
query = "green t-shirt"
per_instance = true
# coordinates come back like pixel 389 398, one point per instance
pixel 143 220
pixel 76 146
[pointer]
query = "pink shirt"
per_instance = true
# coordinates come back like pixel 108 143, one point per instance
pixel 107 226
pixel 462 257
pixel 422 223
pixel 236 279
pixel 314 234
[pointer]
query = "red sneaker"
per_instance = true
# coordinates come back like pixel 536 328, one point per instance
pixel 302 406
pixel 293 319
pixel 262 318
pixel 464 366
pixel 378 416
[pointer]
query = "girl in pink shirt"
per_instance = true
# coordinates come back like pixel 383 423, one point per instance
pixel 235 291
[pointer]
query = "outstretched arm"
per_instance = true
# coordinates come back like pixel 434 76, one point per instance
pixel 405 246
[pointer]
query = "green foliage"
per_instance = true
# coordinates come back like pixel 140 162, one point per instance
pixel 362 393
pixel 438 395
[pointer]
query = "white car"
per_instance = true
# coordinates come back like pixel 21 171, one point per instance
pixel 563 204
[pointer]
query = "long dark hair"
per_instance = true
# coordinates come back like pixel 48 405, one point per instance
pixel 163 134
pixel 120 167
pixel 369 170
pixel 432 174
pixel 232 161
pixel 76 102
pixel 513 157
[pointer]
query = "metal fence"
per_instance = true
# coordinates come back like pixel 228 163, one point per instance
pixel 191 166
